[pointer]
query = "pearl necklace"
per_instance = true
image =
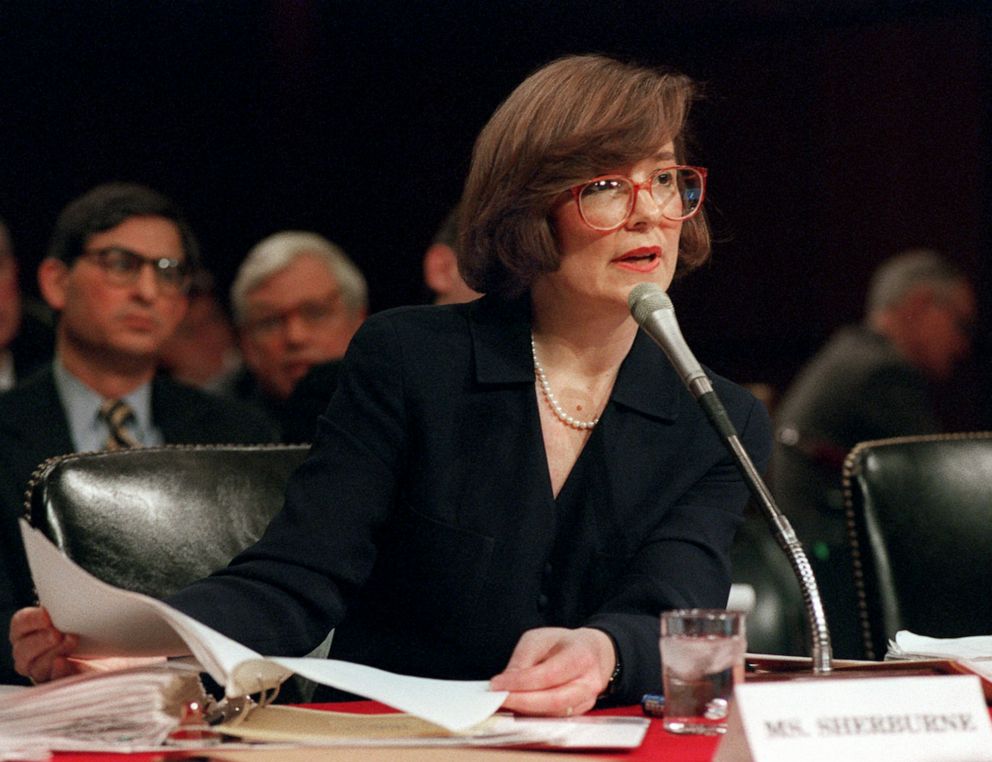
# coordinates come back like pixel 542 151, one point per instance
pixel 549 395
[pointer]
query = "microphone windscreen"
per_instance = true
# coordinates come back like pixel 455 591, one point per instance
pixel 646 298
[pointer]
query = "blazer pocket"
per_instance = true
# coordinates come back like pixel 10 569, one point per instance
pixel 430 572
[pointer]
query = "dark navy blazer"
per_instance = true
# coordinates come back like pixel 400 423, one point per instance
pixel 423 525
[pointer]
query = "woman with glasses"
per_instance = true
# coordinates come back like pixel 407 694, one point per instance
pixel 515 488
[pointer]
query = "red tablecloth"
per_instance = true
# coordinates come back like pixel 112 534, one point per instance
pixel 658 745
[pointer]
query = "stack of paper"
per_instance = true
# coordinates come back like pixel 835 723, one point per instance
pixel 908 645
pixel 974 653
pixel 134 707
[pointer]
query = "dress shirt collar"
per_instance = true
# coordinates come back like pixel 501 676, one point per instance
pixel 501 342
pixel 82 408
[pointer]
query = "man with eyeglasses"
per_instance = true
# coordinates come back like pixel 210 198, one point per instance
pixel 117 272
pixel 297 301
pixel 870 381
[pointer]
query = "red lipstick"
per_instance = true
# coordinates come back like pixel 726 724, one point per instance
pixel 643 259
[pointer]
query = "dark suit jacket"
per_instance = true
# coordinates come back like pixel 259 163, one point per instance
pixel 423 525
pixel 33 427
pixel 34 343
pixel 309 399
pixel 296 416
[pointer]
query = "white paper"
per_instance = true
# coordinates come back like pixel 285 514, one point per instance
pixel 597 732
pixel 109 621
pixel 114 622
pixel 910 719
pixel 912 646
pixel 461 703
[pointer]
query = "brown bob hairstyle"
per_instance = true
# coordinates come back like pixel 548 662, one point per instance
pixel 571 120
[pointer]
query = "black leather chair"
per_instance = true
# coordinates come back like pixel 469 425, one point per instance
pixel 919 513
pixel 153 519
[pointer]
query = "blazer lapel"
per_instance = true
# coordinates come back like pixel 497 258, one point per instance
pixel 501 341
pixel 647 382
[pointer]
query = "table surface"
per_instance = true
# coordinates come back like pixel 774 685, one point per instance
pixel 658 744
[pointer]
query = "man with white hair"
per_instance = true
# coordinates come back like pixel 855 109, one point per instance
pixel 297 301
pixel 446 286
pixel 870 381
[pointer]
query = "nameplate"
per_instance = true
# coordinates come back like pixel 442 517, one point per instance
pixel 910 719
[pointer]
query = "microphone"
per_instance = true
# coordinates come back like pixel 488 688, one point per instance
pixel 654 313
pixel 652 309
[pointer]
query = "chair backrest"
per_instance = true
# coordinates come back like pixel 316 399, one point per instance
pixel 154 519
pixel 919 514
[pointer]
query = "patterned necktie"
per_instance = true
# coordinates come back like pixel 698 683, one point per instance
pixel 117 413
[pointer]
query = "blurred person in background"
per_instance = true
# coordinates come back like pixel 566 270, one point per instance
pixel 203 351
pixel 297 301
pixel 870 381
pixel 440 265
pixel 26 335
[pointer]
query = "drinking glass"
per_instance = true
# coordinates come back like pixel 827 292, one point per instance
pixel 702 657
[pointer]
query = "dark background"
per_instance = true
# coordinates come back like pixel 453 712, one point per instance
pixel 836 134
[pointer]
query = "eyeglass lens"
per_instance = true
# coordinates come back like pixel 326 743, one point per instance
pixel 311 313
pixel 607 202
pixel 124 266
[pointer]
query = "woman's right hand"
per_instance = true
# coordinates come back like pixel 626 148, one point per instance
pixel 40 651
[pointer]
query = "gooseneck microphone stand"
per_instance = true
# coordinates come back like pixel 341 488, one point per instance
pixel 653 311
pixel 786 537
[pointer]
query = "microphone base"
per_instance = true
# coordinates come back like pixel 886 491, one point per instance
pixel 770 668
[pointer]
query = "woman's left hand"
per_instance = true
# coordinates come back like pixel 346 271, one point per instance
pixel 557 672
